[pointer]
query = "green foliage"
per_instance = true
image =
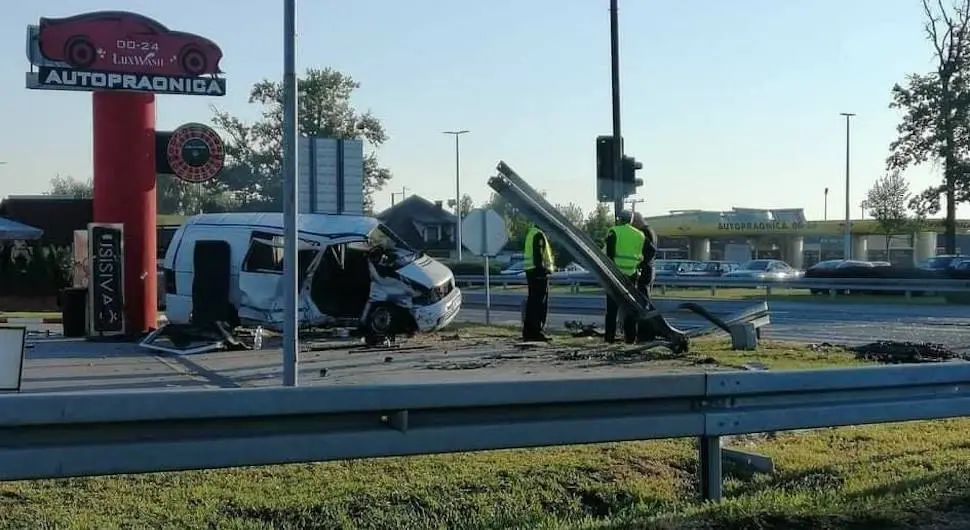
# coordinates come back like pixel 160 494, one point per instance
pixel 472 267
pixel 68 186
pixel 176 197
pixel 467 205
pixel 254 150
pixel 888 203
pixel 935 106
pixel 598 223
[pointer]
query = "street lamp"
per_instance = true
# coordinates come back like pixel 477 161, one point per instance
pixel 456 134
pixel 826 211
pixel 847 248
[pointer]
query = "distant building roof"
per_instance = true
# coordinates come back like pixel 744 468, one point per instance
pixel 419 209
pixel 404 217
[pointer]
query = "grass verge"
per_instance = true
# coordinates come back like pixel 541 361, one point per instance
pixel 882 477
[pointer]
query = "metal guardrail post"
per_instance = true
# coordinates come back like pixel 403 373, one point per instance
pixel 711 471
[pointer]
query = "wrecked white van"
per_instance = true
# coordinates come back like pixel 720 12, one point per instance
pixel 353 273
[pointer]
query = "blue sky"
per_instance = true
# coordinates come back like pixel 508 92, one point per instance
pixel 726 103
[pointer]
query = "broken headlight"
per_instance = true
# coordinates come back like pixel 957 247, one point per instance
pixel 429 296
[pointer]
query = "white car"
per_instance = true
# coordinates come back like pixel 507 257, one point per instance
pixel 571 271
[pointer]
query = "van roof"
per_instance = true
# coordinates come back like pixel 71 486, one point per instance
pixel 310 223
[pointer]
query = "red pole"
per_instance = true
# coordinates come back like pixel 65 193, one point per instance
pixel 124 192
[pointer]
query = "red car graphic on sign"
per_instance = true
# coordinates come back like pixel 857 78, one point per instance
pixel 117 41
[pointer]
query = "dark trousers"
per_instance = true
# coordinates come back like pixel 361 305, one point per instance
pixel 645 331
pixel 629 321
pixel 536 304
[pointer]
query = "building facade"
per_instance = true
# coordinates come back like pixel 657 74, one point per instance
pixel 747 233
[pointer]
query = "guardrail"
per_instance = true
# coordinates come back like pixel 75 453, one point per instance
pixel 60 435
pixel 832 286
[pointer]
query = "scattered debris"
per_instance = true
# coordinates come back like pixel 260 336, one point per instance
pixel 579 329
pixel 825 347
pixel 619 356
pixel 467 365
pixel 892 352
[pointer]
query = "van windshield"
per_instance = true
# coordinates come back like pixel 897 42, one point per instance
pixel 383 238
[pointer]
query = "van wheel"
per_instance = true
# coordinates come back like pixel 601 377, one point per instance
pixel 380 321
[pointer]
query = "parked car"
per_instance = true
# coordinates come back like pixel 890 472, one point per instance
pixel 842 263
pixel 667 267
pixel 962 265
pixel 765 269
pixel 943 261
pixel 572 270
pixel 712 268
pixel 515 269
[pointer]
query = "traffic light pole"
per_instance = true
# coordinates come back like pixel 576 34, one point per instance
pixel 617 138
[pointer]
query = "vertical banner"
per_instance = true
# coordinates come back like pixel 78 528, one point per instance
pixel 81 266
pixel 106 297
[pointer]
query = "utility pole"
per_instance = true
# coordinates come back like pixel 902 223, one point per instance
pixel 403 193
pixel 456 134
pixel 847 248
pixel 615 83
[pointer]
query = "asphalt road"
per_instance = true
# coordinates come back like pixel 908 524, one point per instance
pixel 57 364
pixel 814 322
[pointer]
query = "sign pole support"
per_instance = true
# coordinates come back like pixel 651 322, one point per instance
pixel 291 191
pixel 488 282
pixel 124 192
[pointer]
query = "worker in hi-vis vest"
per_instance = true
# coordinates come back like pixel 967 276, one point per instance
pixel 624 245
pixel 538 265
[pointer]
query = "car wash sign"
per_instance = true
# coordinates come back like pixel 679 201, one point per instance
pixel 121 51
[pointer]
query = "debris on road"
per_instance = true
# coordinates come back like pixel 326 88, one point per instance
pixel 893 352
pixel 580 329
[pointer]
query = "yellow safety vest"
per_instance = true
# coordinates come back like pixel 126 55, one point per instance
pixel 629 248
pixel 530 262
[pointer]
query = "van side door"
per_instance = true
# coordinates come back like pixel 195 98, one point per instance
pixel 261 276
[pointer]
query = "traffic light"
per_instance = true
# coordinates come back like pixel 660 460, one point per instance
pixel 605 179
pixel 628 176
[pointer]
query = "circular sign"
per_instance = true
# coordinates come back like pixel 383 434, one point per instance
pixel 195 153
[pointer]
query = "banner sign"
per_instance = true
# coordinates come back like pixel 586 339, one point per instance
pixel 106 297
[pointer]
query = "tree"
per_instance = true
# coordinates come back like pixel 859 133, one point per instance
pixel 573 213
pixel 174 196
pixel 67 186
pixel 598 222
pixel 888 203
pixel 467 204
pixel 934 125
pixel 254 151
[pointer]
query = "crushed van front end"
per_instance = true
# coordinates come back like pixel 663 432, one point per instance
pixel 437 313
